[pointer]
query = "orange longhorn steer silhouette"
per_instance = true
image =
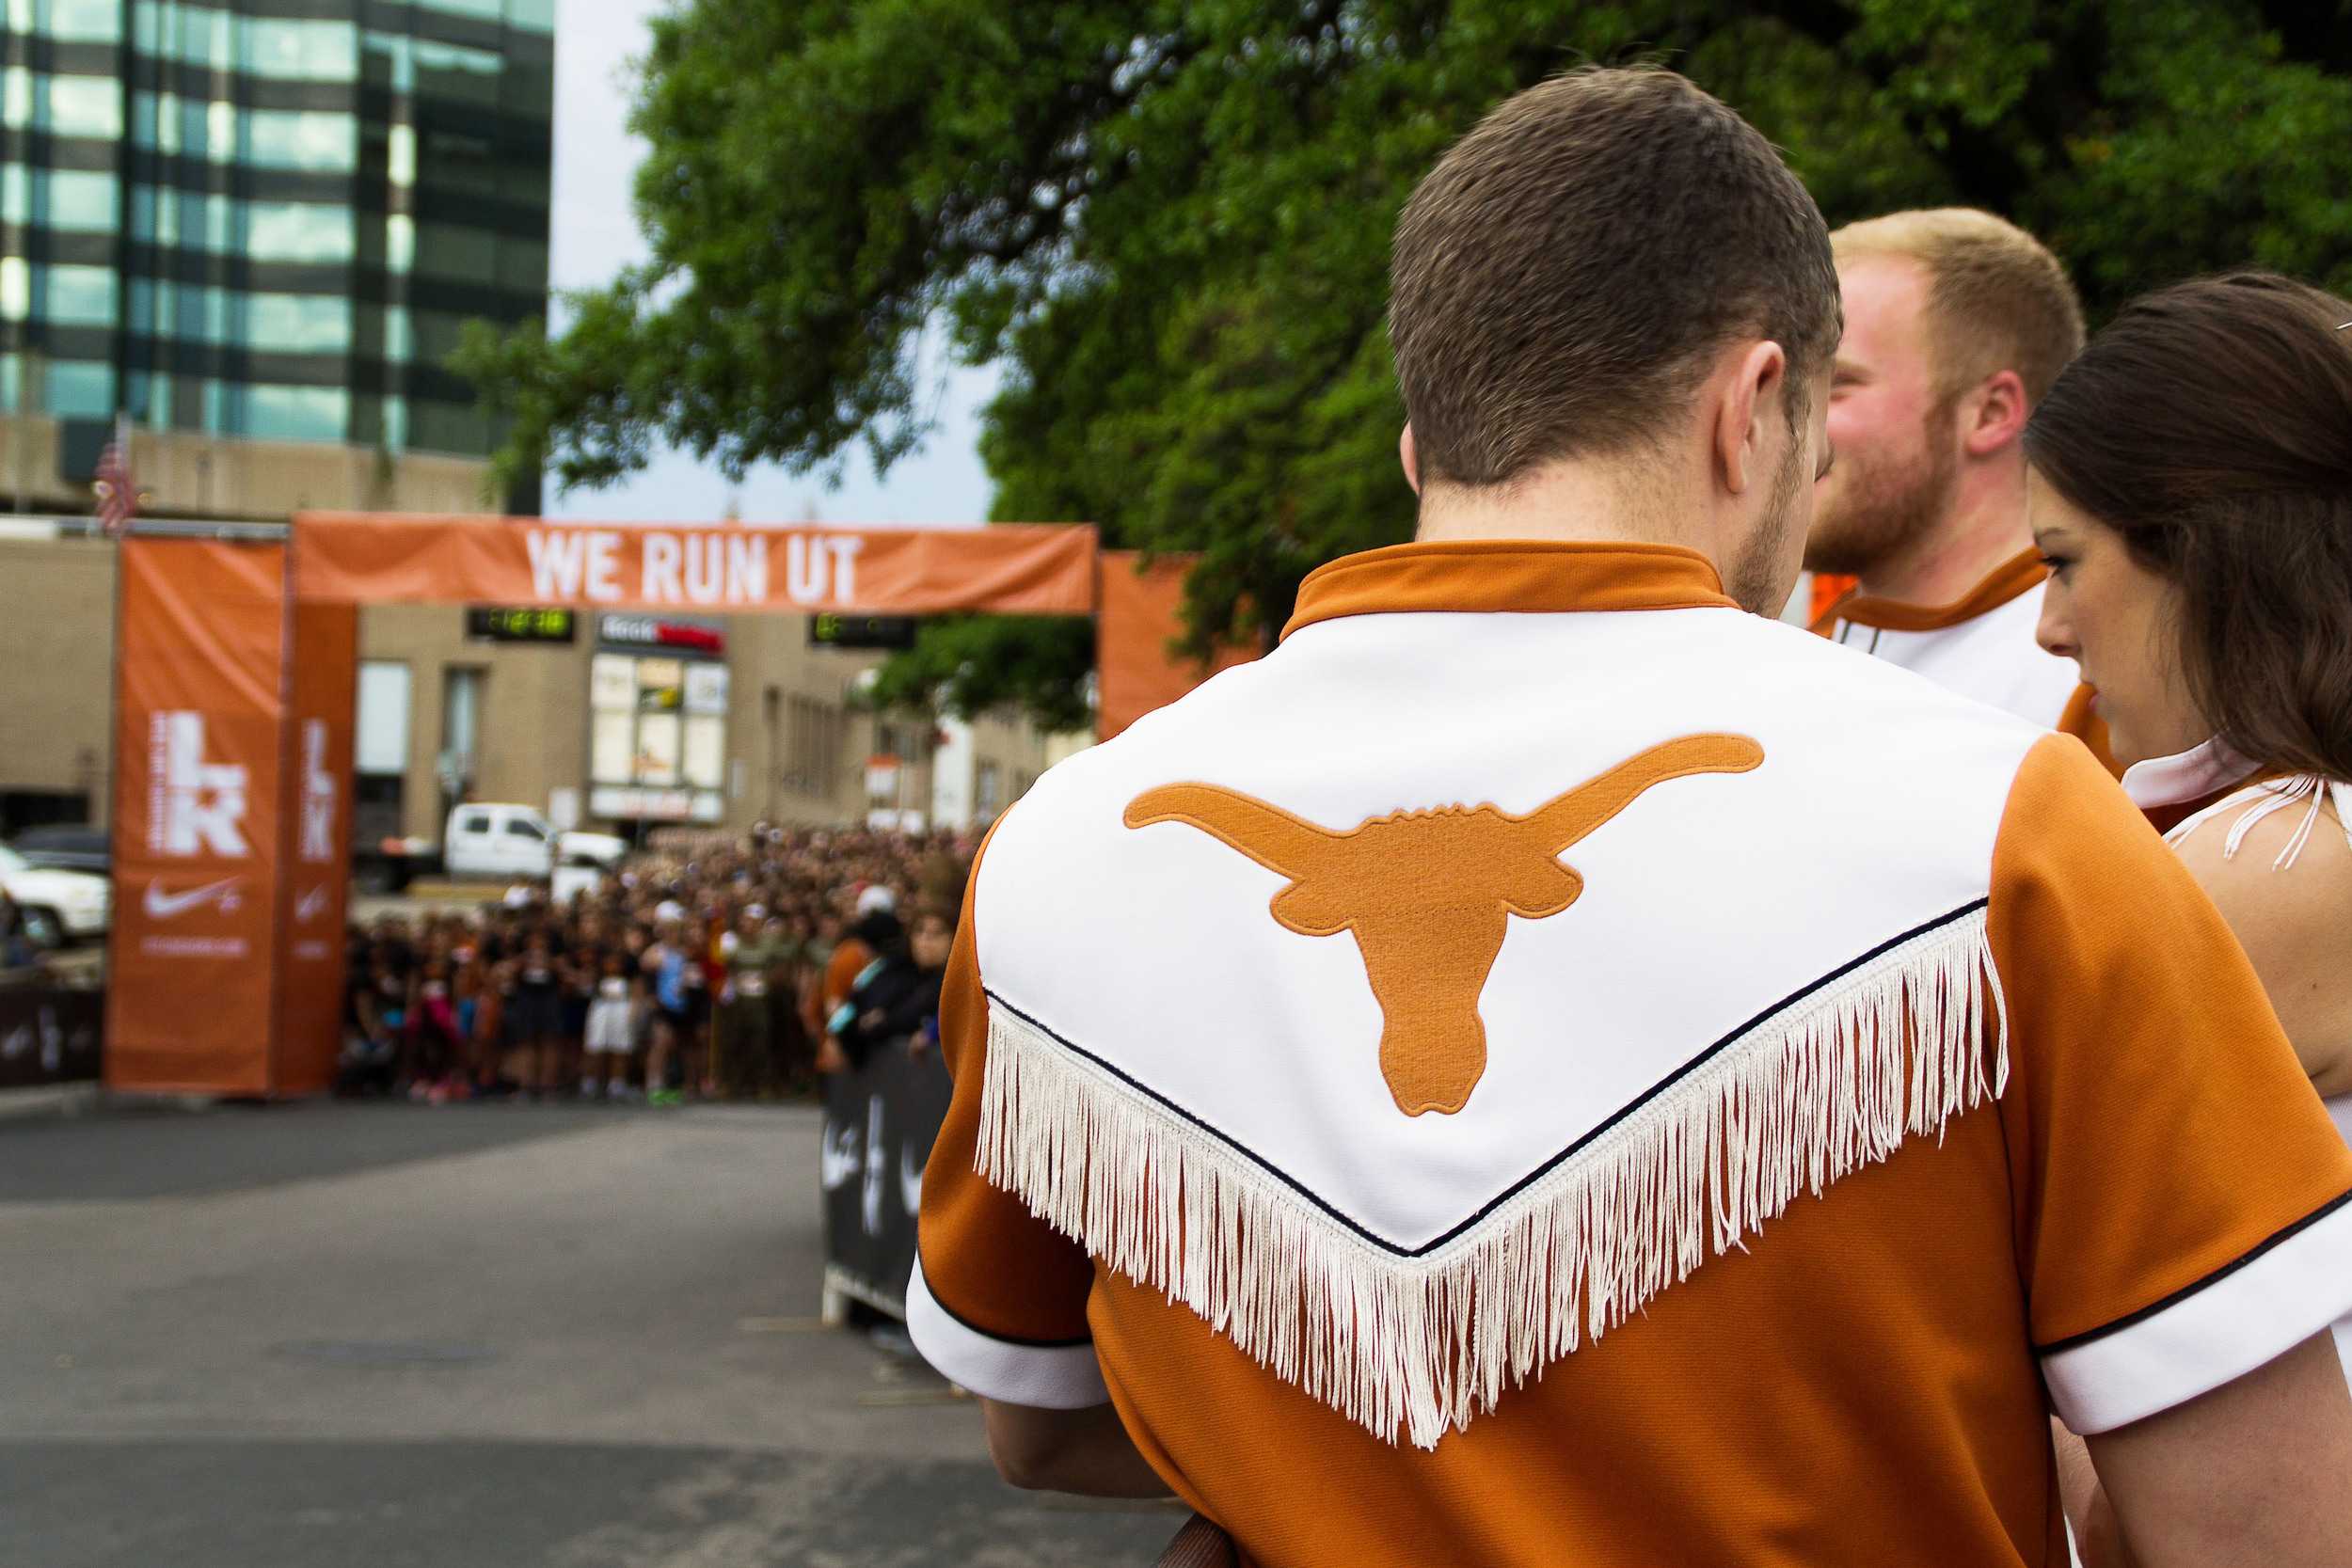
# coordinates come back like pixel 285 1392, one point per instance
pixel 1428 893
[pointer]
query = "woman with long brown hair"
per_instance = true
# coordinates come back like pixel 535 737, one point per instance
pixel 2191 489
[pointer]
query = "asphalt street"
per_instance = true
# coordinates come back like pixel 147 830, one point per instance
pixel 362 1337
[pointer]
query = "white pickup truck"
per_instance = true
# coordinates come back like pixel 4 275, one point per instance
pixel 495 840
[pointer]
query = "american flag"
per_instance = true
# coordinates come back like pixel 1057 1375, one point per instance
pixel 117 493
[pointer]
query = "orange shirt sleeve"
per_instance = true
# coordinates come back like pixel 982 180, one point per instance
pixel 998 1301
pixel 2182 1212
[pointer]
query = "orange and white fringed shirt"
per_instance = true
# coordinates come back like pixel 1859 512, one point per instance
pixel 1981 646
pixel 1546 1067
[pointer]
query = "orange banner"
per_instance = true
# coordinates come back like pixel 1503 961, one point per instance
pixel 316 847
pixel 376 558
pixel 1141 615
pixel 199 713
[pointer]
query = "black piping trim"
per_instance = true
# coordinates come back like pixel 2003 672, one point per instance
pixel 2071 1341
pixel 990 1333
pixel 1549 1165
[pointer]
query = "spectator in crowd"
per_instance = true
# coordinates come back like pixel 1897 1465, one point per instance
pixel 743 1054
pixel 877 932
pixel 897 996
pixel 612 1026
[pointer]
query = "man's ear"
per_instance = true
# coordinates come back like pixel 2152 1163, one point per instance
pixel 2001 412
pixel 1755 381
pixel 1407 455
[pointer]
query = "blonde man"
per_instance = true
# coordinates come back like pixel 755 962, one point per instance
pixel 1957 323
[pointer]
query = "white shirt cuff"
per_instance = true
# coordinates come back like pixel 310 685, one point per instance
pixel 1013 1372
pixel 2236 1318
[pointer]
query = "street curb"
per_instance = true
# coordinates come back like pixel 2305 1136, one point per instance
pixel 49 1102
pixel 70 1101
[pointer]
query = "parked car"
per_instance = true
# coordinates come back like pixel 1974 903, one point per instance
pixel 74 902
pixel 499 840
pixel 77 847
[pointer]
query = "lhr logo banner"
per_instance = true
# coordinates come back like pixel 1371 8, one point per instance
pixel 194 806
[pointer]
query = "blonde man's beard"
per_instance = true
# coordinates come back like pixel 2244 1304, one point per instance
pixel 1882 509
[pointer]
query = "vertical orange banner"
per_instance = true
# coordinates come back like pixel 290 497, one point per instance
pixel 199 717
pixel 316 847
pixel 1140 614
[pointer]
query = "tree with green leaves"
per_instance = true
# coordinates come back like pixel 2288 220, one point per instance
pixel 1169 222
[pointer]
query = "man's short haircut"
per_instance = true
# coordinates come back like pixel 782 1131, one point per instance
pixel 1998 300
pixel 1562 278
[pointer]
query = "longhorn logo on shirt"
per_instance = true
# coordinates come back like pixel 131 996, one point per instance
pixel 1428 894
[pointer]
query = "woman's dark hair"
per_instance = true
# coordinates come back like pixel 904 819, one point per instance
pixel 2210 424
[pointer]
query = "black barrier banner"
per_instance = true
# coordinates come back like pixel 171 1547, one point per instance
pixel 49 1035
pixel 881 1120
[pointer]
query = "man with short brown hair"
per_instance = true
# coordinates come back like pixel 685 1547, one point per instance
pixel 1957 322
pixel 1551 1065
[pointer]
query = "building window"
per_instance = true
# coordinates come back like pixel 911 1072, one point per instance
pixel 73 21
pixel 76 295
pixel 461 725
pixel 295 413
pixel 984 795
pixel 298 324
pixel 450 251
pixel 299 51
pixel 78 201
pixel 16 289
pixel 192 33
pixel 380 739
pixel 481 10
pixel 467 75
pixel 299 231
pixel 400 340
pixel 816 748
pixel 80 106
pixel 303 139
pixel 78 389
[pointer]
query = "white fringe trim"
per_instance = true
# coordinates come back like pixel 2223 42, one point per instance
pixel 1807 1094
pixel 2260 800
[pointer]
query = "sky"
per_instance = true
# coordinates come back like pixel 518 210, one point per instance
pixel 595 236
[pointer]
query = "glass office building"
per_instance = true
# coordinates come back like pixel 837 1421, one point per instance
pixel 269 218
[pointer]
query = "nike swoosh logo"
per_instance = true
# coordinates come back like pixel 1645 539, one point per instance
pixel 164 906
pixel 313 904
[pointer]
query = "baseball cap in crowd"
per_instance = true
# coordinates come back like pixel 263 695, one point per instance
pixel 876 897
pixel 669 909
